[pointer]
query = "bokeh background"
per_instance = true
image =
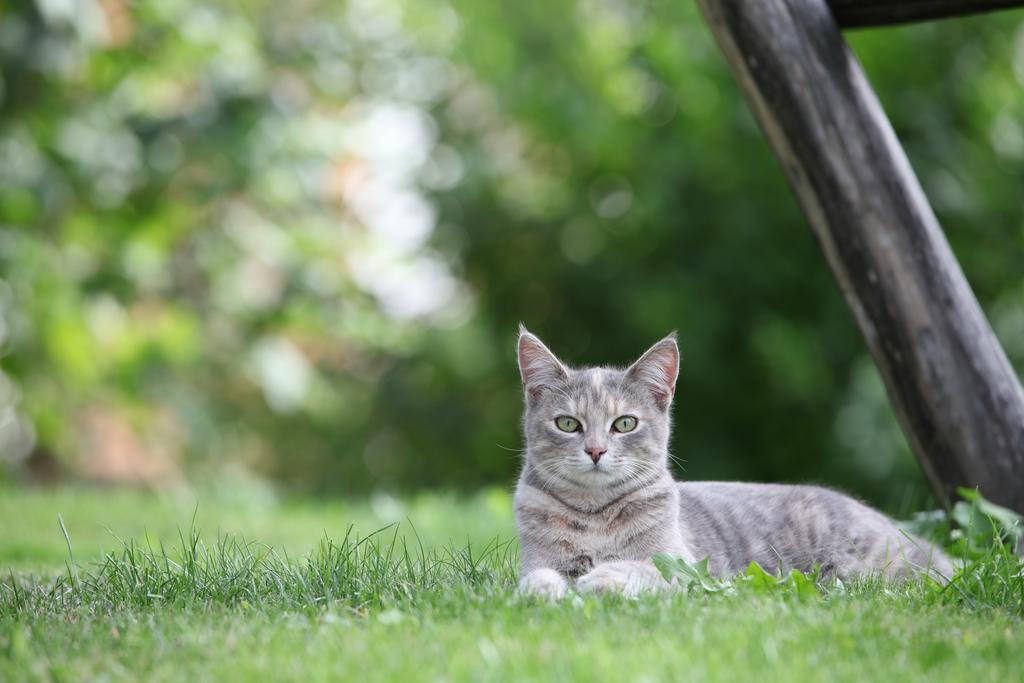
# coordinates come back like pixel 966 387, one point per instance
pixel 291 242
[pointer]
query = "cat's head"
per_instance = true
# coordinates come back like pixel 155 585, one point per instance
pixel 596 427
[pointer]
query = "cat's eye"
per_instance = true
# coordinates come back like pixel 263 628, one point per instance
pixel 567 424
pixel 626 423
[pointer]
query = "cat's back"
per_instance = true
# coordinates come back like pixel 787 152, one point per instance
pixel 748 498
pixel 787 526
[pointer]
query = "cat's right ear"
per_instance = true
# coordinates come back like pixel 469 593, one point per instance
pixel 538 367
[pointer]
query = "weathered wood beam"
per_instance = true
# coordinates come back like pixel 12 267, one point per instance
pixel 863 13
pixel 959 401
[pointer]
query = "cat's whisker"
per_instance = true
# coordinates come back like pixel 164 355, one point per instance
pixel 679 462
pixel 634 471
pixel 559 472
pixel 562 392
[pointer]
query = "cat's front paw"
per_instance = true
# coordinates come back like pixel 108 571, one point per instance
pixel 544 583
pixel 614 577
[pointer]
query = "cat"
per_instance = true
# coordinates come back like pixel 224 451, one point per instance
pixel 595 499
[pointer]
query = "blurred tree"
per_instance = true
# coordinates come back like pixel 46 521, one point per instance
pixel 300 239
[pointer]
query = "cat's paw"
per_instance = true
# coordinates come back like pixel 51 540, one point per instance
pixel 613 577
pixel 544 583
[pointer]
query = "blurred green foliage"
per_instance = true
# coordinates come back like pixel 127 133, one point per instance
pixel 297 239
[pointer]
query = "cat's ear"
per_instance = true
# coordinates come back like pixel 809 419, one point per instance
pixel 538 367
pixel 657 370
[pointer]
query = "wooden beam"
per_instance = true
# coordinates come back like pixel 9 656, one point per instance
pixel 958 400
pixel 864 13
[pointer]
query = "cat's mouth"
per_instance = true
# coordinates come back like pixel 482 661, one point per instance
pixel 597 477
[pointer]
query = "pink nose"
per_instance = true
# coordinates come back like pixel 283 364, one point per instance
pixel 595 452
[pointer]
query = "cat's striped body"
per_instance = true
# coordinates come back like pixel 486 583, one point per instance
pixel 571 539
pixel 594 502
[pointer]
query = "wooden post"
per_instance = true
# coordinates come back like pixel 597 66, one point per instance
pixel 957 397
pixel 858 13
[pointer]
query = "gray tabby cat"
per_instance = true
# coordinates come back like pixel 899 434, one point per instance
pixel 595 500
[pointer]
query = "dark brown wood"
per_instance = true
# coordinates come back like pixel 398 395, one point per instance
pixel 862 13
pixel 959 401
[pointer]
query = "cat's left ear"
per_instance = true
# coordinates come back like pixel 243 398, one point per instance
pixel 657 370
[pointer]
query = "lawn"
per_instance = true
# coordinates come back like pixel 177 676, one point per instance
pixel 294 590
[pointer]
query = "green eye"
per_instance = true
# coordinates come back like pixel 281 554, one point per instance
pixel 626 423
pixel 567 424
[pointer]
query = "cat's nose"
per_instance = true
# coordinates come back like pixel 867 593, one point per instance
pixel 595 452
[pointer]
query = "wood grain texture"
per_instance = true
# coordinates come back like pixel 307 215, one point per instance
pixel 863 13
pixel 958 399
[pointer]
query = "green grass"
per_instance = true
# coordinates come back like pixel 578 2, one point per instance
pixel 331 600
pixel 97 520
